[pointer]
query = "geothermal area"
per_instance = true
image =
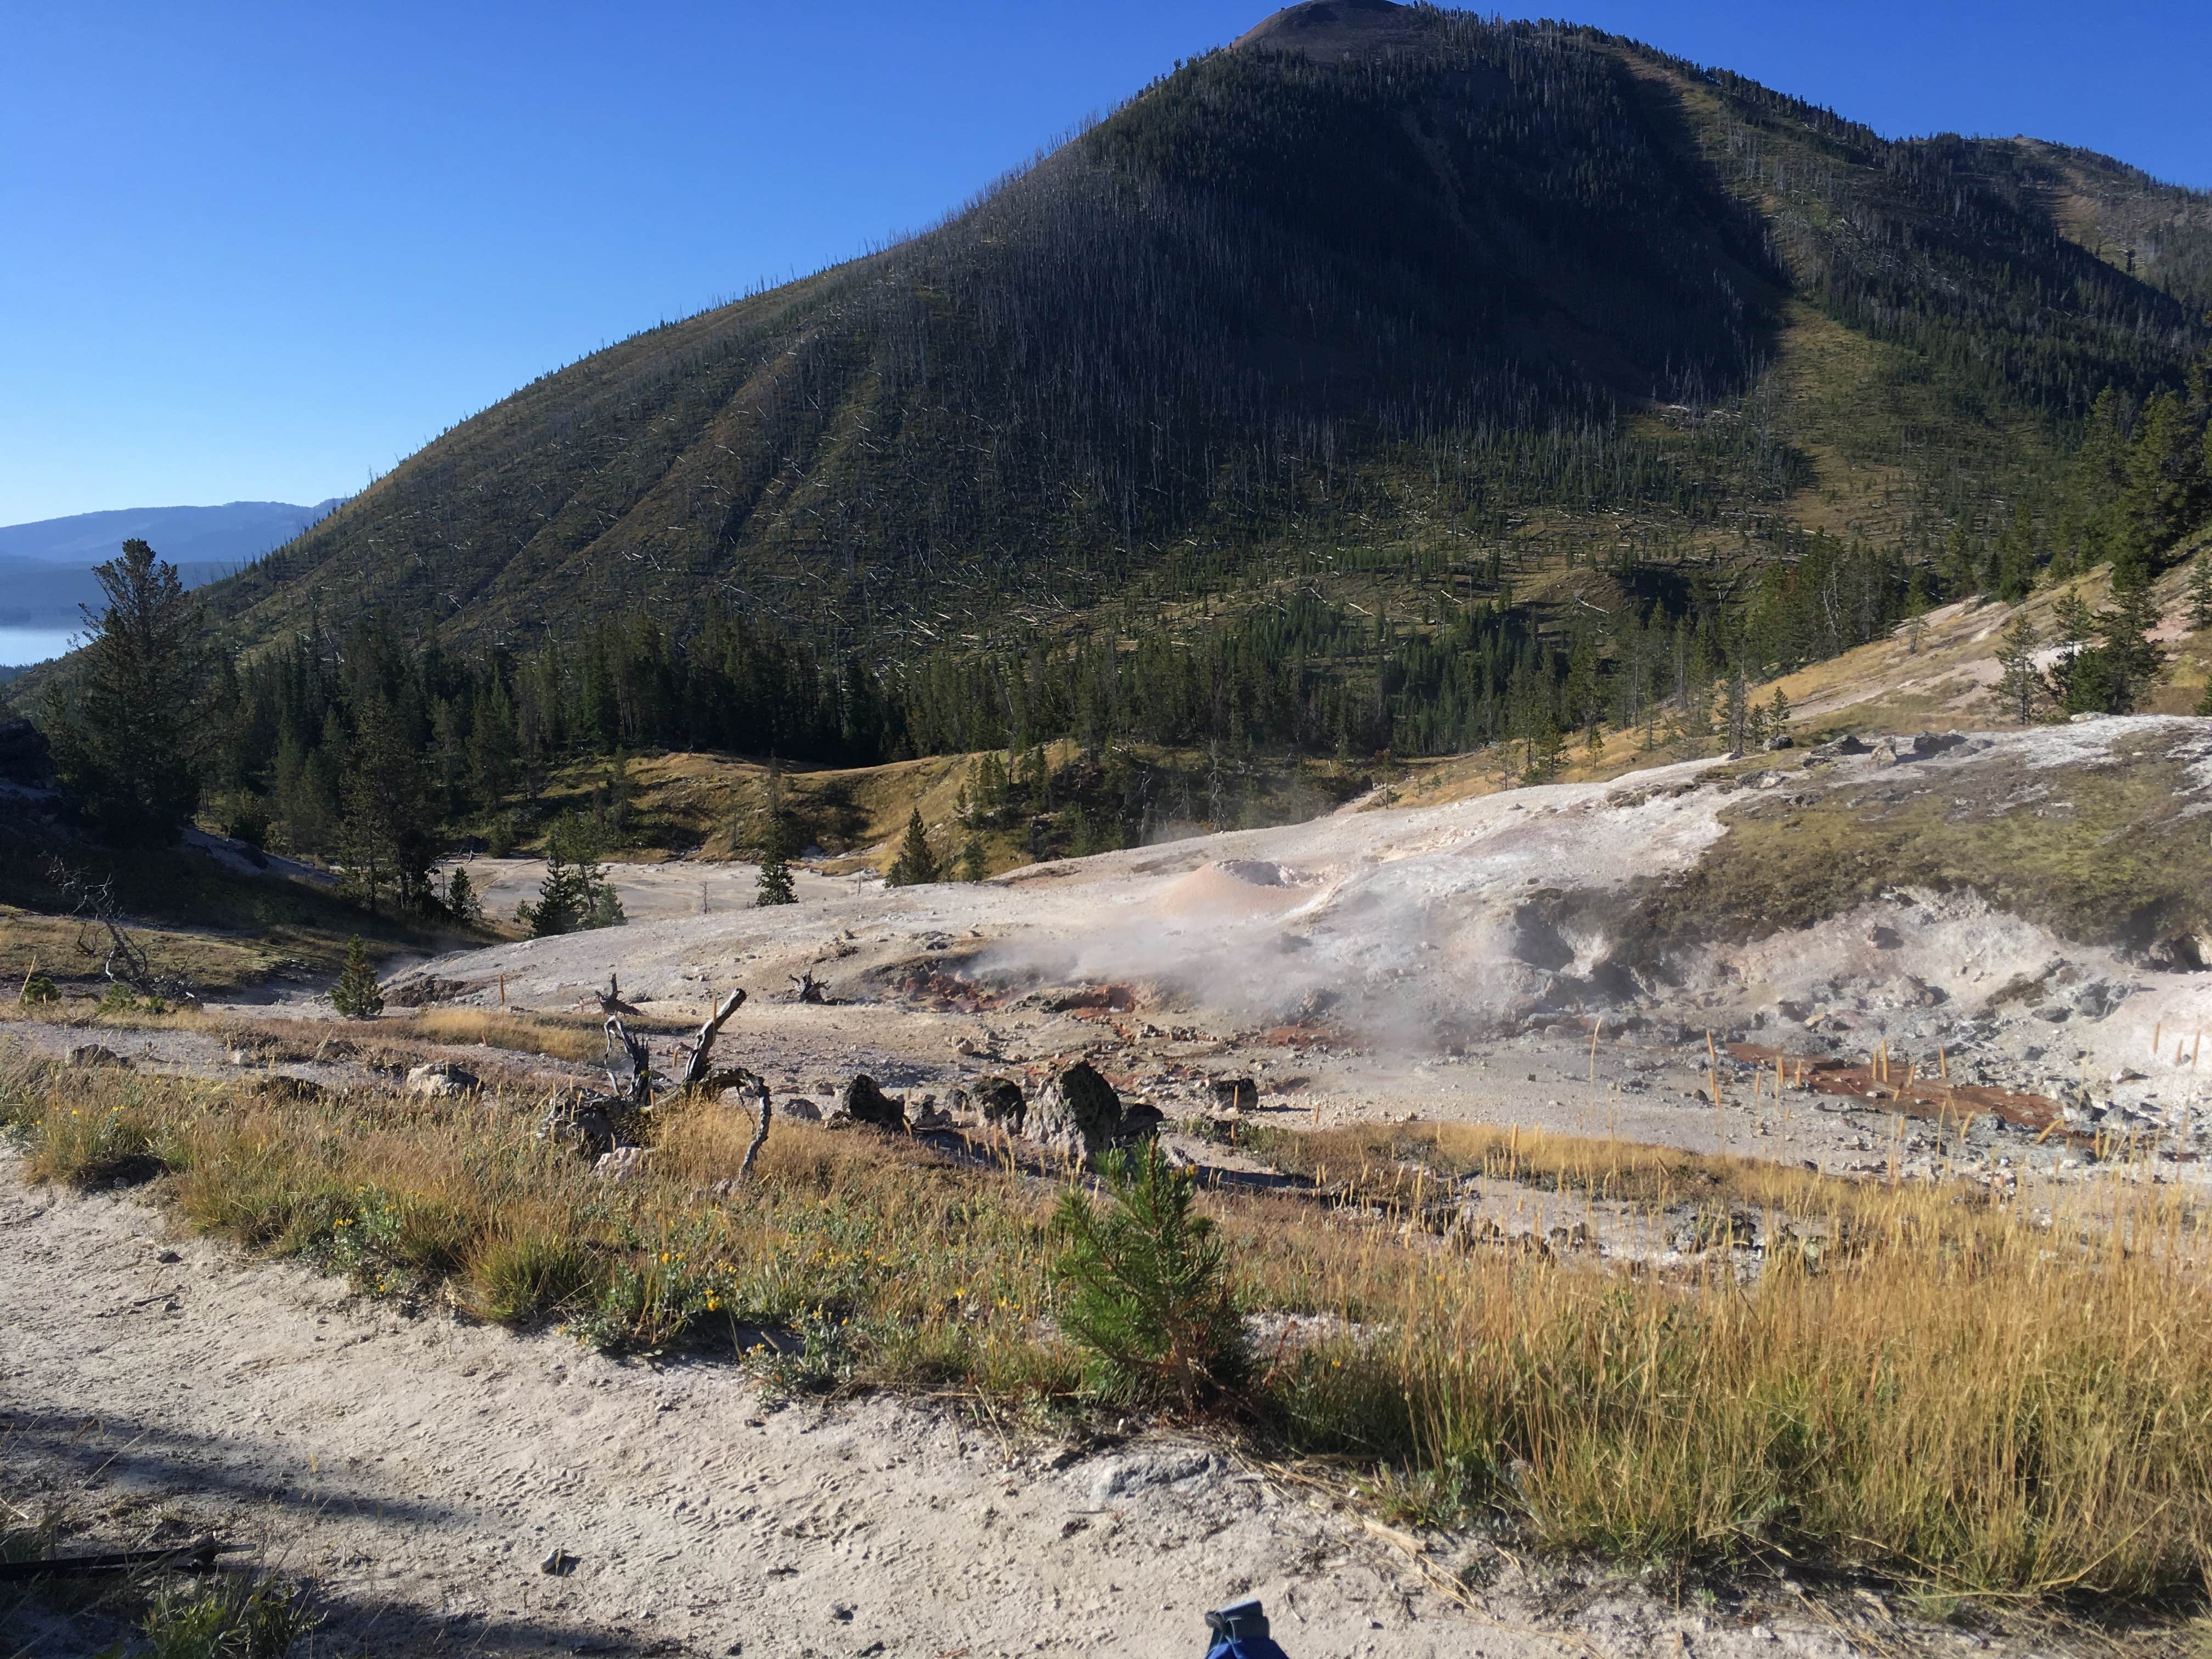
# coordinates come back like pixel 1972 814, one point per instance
pixel 1715 956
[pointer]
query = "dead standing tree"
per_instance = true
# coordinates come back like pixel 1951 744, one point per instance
pixel 699 1074
pixel 123 960
pixel 629 1070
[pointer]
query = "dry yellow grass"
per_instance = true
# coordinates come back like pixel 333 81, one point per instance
pixel 528 1034
pixel 1972 1397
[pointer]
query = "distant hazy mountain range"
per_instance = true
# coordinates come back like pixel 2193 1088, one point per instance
pixel 45 569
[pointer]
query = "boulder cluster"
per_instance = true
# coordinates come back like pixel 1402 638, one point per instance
pixel 1076 1115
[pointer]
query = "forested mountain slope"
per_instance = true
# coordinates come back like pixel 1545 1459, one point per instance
pixel 1271 301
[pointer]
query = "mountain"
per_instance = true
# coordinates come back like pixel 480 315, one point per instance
pixel 46 566
pixel 1376 276
pixel 231 534
pixel 1393 379
pixel 36 593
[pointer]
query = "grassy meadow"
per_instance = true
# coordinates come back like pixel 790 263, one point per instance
pixel 1983 1401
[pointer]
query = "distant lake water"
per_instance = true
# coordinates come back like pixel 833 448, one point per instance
pixel 21 647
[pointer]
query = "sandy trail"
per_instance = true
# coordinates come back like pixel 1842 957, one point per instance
pixel 417 1471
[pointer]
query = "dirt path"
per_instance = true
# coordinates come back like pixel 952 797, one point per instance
pixel 418 1471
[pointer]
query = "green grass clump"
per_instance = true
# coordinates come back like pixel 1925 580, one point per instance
pixel 261 1619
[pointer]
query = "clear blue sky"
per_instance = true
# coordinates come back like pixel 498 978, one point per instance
pixel 260 251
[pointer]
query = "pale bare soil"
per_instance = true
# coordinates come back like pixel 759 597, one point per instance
pixel 1476 960
pixel 416 1471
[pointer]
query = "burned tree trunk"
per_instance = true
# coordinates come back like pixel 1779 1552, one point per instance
pixel 699 1077
pixel 629 1066
pixel 703 1046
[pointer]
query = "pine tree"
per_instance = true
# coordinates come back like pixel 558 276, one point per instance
pixel 355 995
pixel 575 894
pixel 916 866
pixel 126 735
pixel 2164 490
pixel 461 900
pixel 973 865
pixel 2200 592
pixel 2019 685
pixel 2112 677
pixel 774 883
pixel 1739 712
pixel 2015 558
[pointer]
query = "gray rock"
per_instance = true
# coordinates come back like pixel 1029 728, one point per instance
pixel 930 1115
pixel 441 1079
pixel 623 1162
pixel 1076 1115
pixel 1235 1093
pixel 92 1054
pixel 798 1107
pixel 1171 1467
pixel 1141 1121
pixel 865 1102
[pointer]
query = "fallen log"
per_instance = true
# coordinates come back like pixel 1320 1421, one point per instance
pixel 198 1556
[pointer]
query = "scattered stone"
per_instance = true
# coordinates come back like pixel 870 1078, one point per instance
pixel 282 1086
pixel 864 1101
pixel 930 1115
pixel 798 1107
pixel 1235 1093
pixel 1076 1115
pixel 441 1079
pixel 559 1564
pixel 1002 1104
pixel 422 993
pixel 1142 1121
pixel 167 1256
pixel 91 1054
pixel 621 1163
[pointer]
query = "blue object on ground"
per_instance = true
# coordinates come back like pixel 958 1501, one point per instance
pixel 1240 1631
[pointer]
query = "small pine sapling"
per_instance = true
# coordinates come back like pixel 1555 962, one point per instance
pixel 355 995
pixel 774 886
pixel 1145 1285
